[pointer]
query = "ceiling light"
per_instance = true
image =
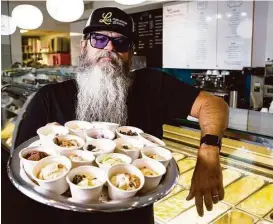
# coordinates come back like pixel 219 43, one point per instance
pixel 130 2
pixel 65 10
pixel 27 17
pixel 8 26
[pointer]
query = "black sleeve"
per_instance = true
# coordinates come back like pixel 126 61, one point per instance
pixel 34 117
pixel 177 98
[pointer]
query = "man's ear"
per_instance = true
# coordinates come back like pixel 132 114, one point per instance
pixel 83 46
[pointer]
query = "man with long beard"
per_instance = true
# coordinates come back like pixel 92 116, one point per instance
pixel 105 90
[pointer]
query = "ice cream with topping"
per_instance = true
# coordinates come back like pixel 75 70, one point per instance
pixel 52 171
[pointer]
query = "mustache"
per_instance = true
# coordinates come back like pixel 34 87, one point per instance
pixel 110 54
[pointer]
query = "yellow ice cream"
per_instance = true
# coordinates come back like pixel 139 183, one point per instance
pixel 173 206
pixel 235 217
pixel 242 188
pixel 186 164
pixel 259 203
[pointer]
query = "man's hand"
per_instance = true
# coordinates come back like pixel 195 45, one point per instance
pixel 207 180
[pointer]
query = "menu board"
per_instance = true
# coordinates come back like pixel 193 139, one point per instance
pixel 234 36
pixel 192 28
pixel 148 41
pixel 207 34
pixel 175 35
pixel 203 30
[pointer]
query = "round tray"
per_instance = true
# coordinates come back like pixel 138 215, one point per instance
pixel 24 184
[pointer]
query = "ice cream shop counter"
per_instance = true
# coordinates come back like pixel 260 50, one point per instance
pixel 247 179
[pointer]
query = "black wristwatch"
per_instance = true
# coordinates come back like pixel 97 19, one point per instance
pixel 211 140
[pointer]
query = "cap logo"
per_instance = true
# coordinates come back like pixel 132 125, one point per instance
pixel 106 18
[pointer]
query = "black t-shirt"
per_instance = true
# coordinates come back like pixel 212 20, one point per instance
pixel 154 99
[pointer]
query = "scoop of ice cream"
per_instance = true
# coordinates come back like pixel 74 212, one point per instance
pixel 76 158
pixel 148 172
pixel 35 155
pixel 125 181
pixel 52 171
pixel 85 180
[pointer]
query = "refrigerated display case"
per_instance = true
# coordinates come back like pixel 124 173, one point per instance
pixel 247 163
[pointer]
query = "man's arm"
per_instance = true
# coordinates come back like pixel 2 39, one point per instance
pixel 207 180
pixel 212 112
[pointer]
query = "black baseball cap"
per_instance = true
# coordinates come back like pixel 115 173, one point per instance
pixel 110 19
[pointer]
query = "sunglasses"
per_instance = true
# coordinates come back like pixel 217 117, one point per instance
pixel 100 41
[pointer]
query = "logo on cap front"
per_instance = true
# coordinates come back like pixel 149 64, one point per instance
pixel 106 18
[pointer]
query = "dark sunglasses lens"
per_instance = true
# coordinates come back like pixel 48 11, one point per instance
pixel 99 41
pixel 121 44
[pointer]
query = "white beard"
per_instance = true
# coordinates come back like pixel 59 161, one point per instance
pixel 102 91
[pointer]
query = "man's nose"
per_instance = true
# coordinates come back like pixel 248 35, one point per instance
pixel 110 46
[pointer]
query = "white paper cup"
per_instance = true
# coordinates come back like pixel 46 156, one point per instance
pixel 135 146
pixel 88 157
pixel 48 132
pixel 59 149
pixel 77 127
pixel 150 140
pixel 117 194
pixel 58 185
pixel 94 133
pixel 86 194
pixel 105 146
pixel 29 164
pixel 106 125
pixel 166 154
pixel 151 182
pixel 126 129
pixel 125 159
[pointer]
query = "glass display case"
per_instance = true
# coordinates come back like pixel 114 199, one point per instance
pixel 247 163
pixel 18 86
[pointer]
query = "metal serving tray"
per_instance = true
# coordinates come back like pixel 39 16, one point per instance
pixel 24 184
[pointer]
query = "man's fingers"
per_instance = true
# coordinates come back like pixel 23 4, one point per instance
pixel 221 193
pixel 191 194
pixel 208 201
pixel 215 195
pixel 199 204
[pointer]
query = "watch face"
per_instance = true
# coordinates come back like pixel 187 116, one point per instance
pixel 211 140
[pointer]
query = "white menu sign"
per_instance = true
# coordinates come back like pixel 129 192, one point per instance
pixel 189 35
pixel 175 35
pixel 203 31
pixel 234 34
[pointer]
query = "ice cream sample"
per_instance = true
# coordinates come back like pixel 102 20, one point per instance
pixel 35 155
pixel 230 176
pixel 260 203
pixel 173 206
pixel 85 180
pixel 66 142
pixel 148 172
pixel 192 217
pixel 76 158
pixel 52 171
pixel 155 156
pixel 125 181
pixel 111 161
pixel 186 164
pixel 242 188
pixel 235 217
